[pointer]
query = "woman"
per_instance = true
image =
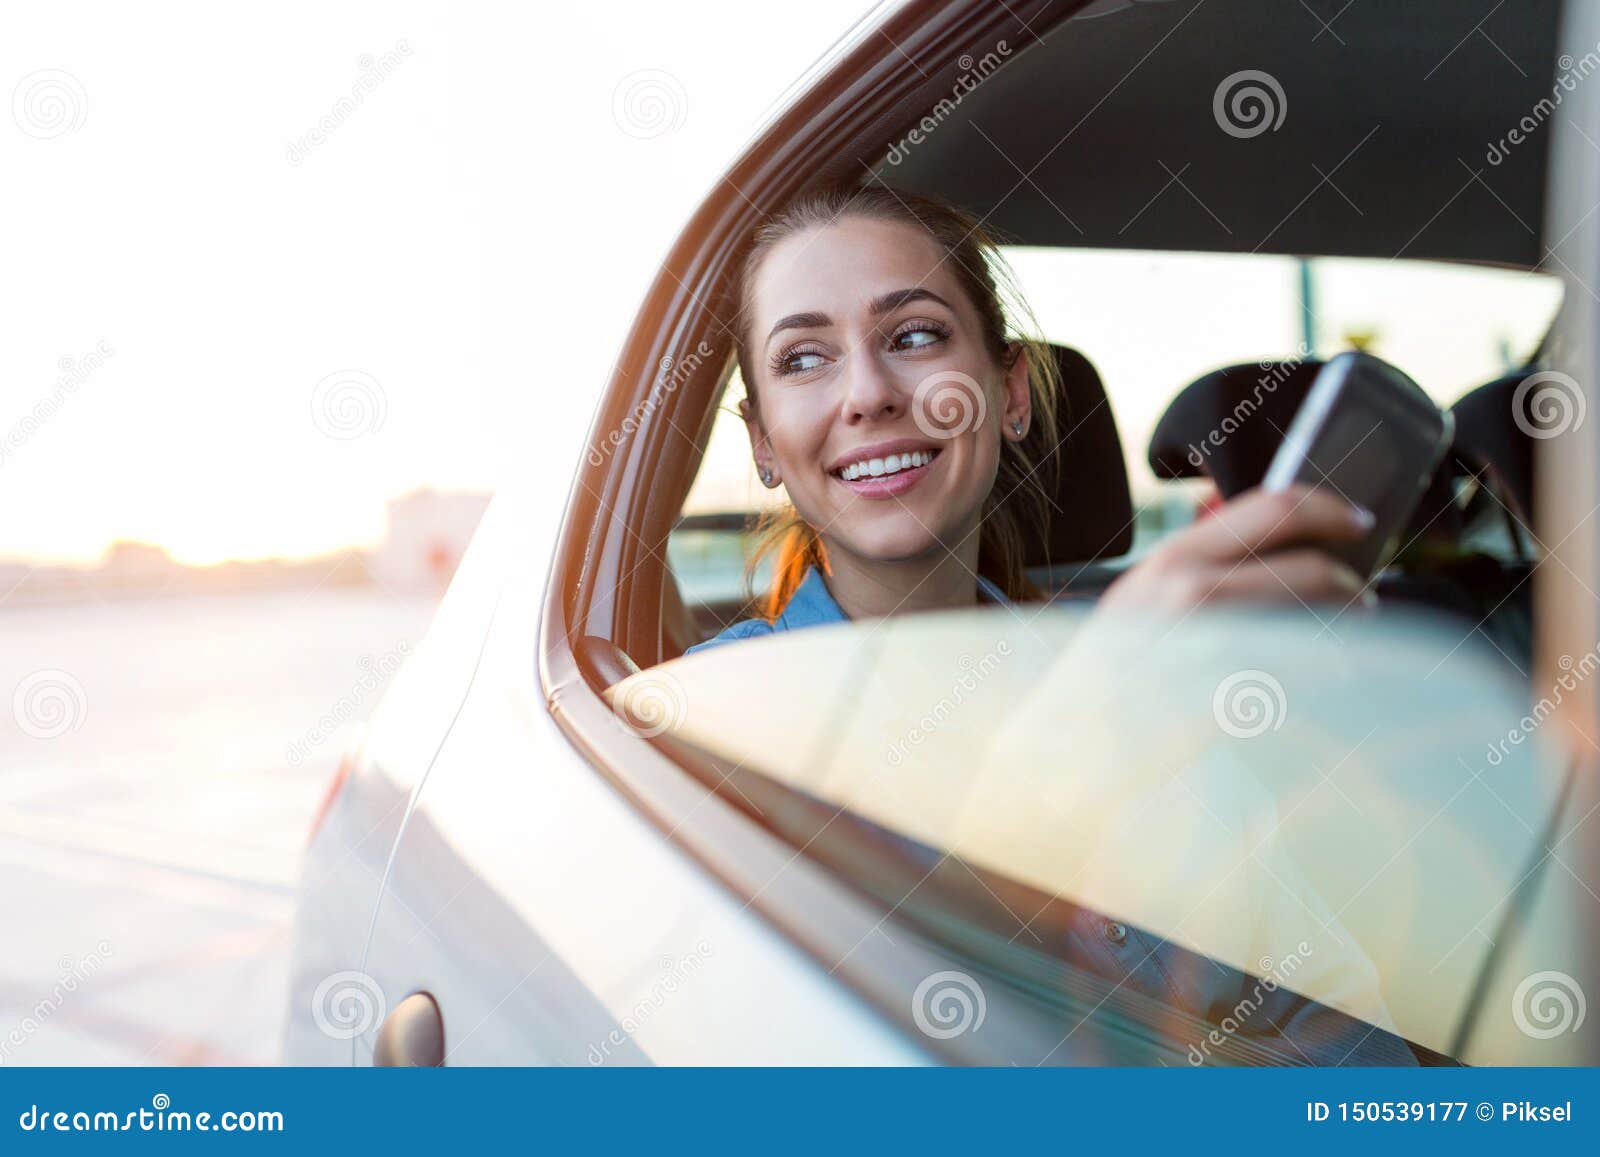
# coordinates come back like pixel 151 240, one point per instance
pixel 887 395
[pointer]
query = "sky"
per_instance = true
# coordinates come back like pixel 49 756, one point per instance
pixel 453 264
pixel 269 329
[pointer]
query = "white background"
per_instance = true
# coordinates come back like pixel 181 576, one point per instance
pixel 475 237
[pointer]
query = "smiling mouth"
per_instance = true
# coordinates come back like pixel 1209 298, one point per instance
pixel 887 477
pixel 886 467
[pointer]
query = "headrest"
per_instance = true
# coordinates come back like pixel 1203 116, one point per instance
pixel 1227 426
pixel 1492 425
pixel 1093 513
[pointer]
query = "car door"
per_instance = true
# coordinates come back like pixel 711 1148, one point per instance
pixel 549 921
pixel 350 850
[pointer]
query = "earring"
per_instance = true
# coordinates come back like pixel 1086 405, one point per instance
pixel 766 476
pixel 1016 427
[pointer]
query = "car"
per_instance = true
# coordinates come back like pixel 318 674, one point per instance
pixel 1049 837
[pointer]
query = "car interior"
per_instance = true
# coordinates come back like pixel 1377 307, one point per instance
pixel 1471 545
pixel 1467 550
pixel 1058 150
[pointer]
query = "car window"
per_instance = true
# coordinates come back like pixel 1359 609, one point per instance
pixel 1344 810
pixel 710 547
pixel 1153 322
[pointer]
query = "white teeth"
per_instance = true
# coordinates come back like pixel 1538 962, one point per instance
pixel 893 464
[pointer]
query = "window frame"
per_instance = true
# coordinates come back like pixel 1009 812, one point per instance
pixel 599 607
pixel 859 103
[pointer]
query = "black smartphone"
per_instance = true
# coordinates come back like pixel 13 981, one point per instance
pixel 1368 432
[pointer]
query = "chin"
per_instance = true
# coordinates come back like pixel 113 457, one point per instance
pixel 894 539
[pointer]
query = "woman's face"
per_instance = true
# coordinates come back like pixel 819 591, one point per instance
pixel 880 407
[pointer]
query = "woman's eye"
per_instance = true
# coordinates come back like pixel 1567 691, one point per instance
pixel 800 363
pixel 916 338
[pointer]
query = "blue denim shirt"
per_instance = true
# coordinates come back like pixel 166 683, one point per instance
pixel 812 605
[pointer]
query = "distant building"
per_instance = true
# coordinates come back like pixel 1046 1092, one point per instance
pixel 427 534
pixel 140 565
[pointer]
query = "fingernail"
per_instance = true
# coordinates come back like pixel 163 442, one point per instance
pixel 1369 599
pixel 1363 517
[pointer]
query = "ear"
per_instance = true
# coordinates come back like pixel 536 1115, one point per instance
pixel 760 446
pixel 1018 408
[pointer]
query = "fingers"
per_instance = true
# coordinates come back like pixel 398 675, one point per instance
pixel 1259 546
pixel 1258 522
pixel 1305 576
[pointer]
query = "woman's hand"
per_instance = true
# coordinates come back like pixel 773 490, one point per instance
pixel 1258 546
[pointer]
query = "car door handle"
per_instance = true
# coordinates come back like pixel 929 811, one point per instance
pixel 412 1035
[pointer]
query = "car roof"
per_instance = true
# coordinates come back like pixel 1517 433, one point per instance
pixel 1387 123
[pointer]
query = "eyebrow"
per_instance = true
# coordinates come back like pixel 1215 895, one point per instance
pixel 895 298
pixel 884 303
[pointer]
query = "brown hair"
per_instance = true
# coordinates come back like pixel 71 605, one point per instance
pixel 1023 486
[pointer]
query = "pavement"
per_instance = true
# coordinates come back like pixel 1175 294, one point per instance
pixel 152 818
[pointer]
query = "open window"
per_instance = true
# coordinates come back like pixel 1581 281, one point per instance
pixel 1127 841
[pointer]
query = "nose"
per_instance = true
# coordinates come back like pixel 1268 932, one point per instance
pixel 871 393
